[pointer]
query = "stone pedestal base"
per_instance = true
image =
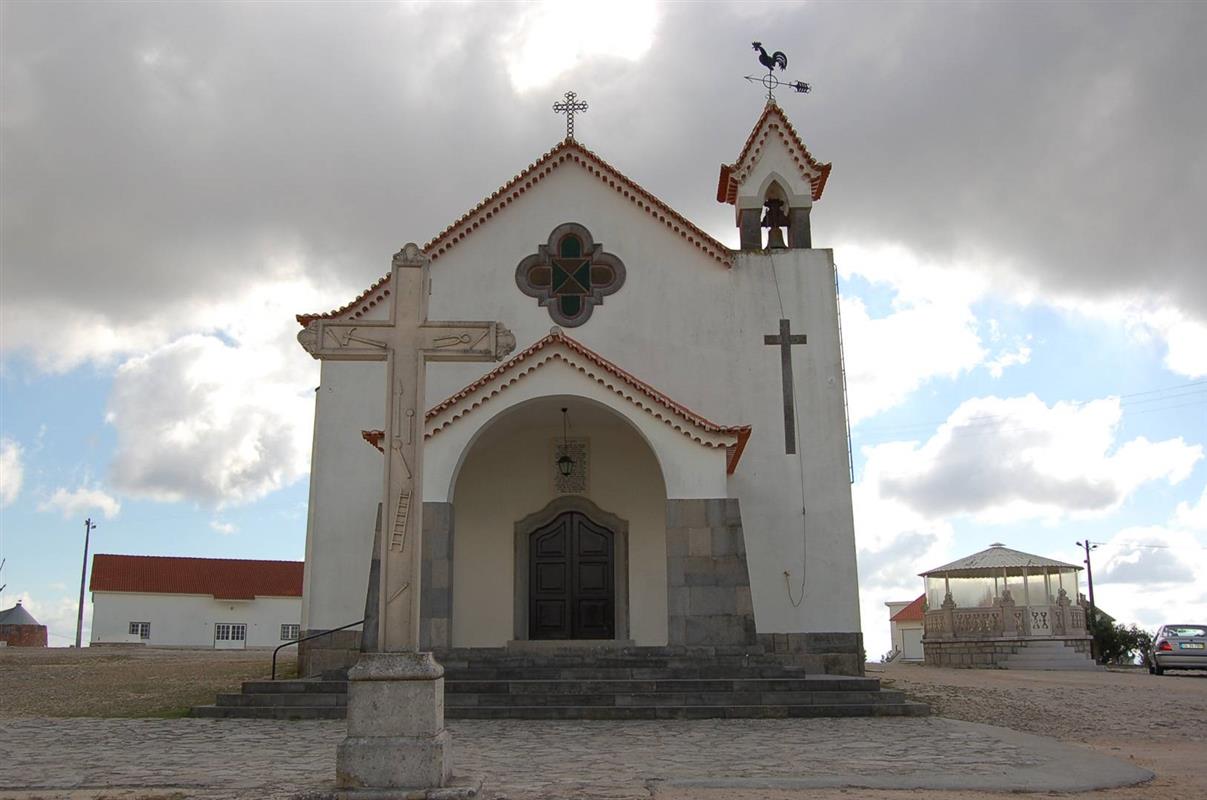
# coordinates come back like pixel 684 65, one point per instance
pixel 396 741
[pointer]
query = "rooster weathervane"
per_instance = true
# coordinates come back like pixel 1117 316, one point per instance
pixel 770 81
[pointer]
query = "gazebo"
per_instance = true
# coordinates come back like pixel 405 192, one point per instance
pixel 1003 608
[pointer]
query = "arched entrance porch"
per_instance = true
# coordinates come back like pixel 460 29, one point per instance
pixel 535 557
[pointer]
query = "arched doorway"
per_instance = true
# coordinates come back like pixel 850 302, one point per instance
pixel 571 583
pixel 506 490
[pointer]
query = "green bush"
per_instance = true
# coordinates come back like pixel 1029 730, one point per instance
pixel 1117 644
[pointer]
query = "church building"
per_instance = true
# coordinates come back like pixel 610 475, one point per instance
pixel 663 461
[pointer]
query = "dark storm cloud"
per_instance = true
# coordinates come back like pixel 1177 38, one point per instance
pixel 166 153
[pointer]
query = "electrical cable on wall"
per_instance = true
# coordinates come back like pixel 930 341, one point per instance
pixel 800 460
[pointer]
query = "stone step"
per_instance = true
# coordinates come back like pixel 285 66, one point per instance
pixel 283 699
pixel 304 686
pixel 629 686
pixel 270 712
pixel 619 673
pixel 687 712
pixel 676 699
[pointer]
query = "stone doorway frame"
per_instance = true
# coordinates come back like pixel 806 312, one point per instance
pixel 560 505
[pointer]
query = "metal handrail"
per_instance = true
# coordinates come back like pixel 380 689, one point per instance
pixel 306 639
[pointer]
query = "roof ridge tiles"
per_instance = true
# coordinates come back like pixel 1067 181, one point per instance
pixel 567 151
pixel 728 184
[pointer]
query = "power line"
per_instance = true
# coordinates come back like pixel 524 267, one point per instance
pixel 990 418
pixel 978 426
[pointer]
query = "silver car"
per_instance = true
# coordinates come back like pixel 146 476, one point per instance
pixel 1179 647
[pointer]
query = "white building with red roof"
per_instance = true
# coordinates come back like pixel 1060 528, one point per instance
pixel 905 627
pixel 221 603
pixel 664 460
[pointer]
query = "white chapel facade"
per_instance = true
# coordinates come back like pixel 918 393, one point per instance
pixel 662 461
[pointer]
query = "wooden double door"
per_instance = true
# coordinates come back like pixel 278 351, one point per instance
pixel 572 580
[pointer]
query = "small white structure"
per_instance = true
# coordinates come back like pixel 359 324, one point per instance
pixel 220 603
pixel 1002 608
pixel 905 626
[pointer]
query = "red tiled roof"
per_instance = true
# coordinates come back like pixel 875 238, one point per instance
pixel 773 120
pixel 375 438
pixel 568 152
pixel 911 613
pixel 223 578
pixel 654 400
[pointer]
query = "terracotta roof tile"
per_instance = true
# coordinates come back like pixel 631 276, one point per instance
pixel 652 400
pixel 733 452
pixel 911 613
pixel 223 578
pixel 773 120
pixel 567 153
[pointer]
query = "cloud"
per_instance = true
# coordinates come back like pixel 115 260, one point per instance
pixel 1155 574
pixel 1193 518
pixel 221 418
pixel 884 360
pixel 1008 358
pixel 59 615
pixel 152 152
pixel 225 528
pixel 894 544
pixel 1017 458
pixel 82 501
pixel 550 39
pixel 1148 556
pixel 12 471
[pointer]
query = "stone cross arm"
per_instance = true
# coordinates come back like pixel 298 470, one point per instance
pixel 438 341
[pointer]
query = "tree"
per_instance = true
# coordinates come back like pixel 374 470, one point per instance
pixel 1117 644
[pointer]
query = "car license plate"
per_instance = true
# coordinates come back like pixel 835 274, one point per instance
pixel 1191 645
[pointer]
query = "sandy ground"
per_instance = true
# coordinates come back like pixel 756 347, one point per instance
pixel 1159 723
pixel 124 682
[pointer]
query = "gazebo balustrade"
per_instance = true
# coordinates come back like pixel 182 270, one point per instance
pixel 1005 619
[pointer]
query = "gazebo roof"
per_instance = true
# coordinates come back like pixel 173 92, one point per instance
pixel 994 561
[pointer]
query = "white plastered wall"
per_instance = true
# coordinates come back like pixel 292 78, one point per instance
pixel 508 475
pixel 345 488
pixel 691 469
pixel 187 620
pixel 776 163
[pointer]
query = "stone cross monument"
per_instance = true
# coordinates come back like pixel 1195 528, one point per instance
pixel 396 737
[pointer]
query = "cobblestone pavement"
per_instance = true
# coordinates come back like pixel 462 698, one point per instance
pixel 521 760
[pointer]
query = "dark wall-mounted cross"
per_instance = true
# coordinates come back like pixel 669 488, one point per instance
pixel 785 340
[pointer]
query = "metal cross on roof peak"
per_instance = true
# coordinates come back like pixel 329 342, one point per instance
pixel 568 107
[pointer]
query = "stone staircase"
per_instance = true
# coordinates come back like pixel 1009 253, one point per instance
pixel 1049 655
pixel 588 683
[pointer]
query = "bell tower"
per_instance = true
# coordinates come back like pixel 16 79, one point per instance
pixel 772 185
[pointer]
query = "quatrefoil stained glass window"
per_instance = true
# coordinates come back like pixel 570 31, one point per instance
pixel 570 274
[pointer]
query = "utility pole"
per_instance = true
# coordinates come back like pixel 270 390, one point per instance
pixel 89 527
pixel 1089 573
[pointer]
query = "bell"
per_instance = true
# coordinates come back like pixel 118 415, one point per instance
pixel 775 239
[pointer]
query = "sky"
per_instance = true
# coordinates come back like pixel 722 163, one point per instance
pixel 1016 212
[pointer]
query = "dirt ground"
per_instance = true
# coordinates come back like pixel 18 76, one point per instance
pixel 124 682
pixel 1159 723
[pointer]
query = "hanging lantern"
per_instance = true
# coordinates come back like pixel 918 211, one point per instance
pixel 565 464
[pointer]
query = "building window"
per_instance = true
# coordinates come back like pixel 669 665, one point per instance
pixel 143 629
pixel 290 632
pixel 570 274
pixel 230 631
